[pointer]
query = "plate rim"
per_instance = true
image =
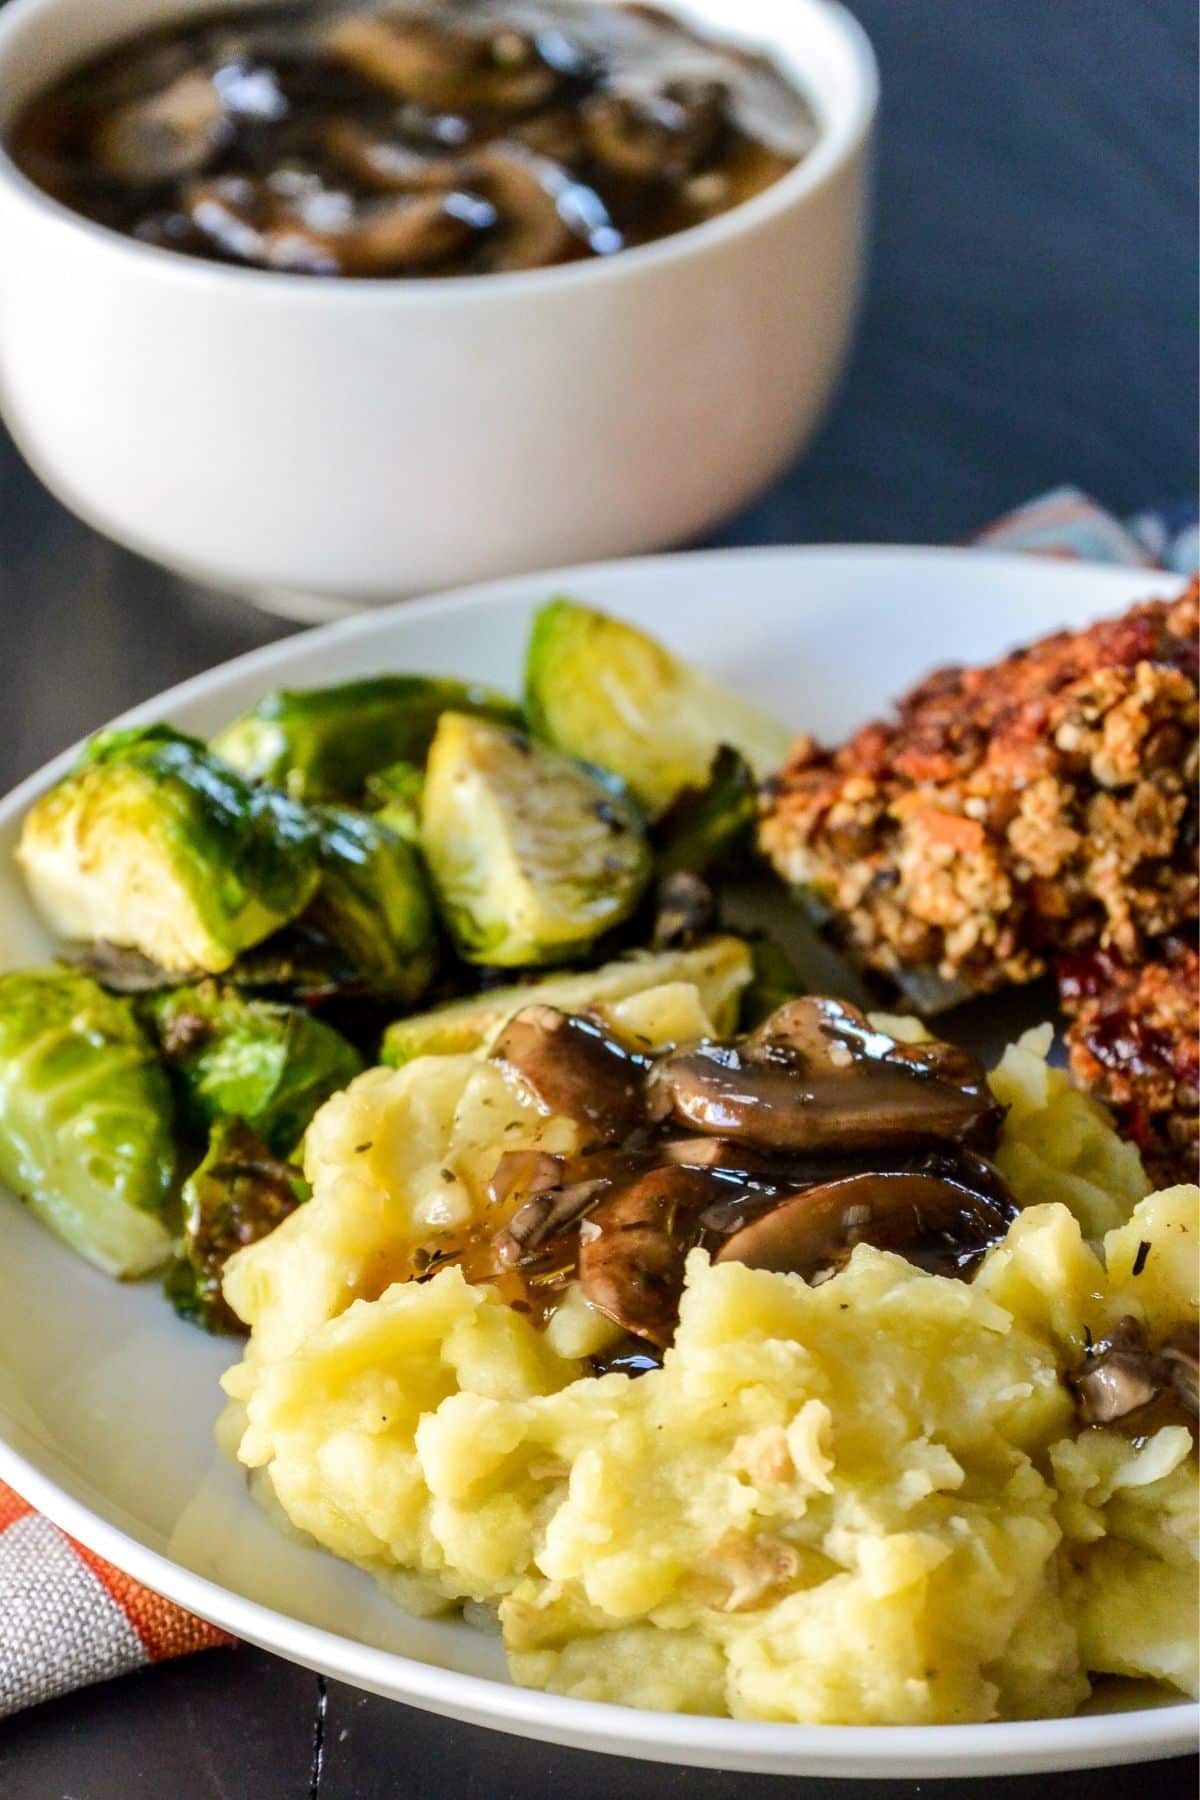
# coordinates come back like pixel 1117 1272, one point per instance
pixel 1020 1746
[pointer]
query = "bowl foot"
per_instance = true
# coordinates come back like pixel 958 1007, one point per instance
pixel 303 608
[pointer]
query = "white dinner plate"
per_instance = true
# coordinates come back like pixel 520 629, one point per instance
pixel 107 1401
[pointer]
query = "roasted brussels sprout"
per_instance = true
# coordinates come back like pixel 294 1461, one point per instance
pixel 605 691
pixel 719 969
pixel 151 843
pixel 322 743
pixel 373 903
pixel 705 824
pixel 239 1194
pixel 394 798
pixel 533 855
pixel 775 983
pixel 272 1066
pixel 85 1118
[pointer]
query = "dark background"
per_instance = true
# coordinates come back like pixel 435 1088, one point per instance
pixel 1030 322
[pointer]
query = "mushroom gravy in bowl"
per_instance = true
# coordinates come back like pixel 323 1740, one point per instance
pixel 424 137
pixel 322 444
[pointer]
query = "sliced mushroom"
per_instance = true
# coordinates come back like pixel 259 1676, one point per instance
pixel 660 135
pixel 1183 1364
pixel 173 132
pixel 417 59
pixel 720 1153
pixel 632 1248
pixel 545 1217
pixel 389 165
pixel 557 134
pixel 520 1174
pixel 684 907
pixel 301 225
pixel 1120 1374
pixel 942 1215
pixel 576 1069
pixel 816 1076
pixel 525 191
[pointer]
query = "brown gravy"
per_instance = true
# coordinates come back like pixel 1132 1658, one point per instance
pixel 420 138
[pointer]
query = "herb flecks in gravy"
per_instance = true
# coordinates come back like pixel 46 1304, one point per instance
pixel 452 138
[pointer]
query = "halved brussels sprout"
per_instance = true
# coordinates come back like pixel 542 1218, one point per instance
pixel 239 1194
pixel 605 691
pixel 719 970
pixel 373 902
pixel 153 844
pixel 394 798
pixel 704 824
pixel 85 1118
pixel 272 1066
pixel 322 743
pixel 533 855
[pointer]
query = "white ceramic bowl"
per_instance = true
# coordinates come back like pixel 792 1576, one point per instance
pixel 363 440
pixel 107 1401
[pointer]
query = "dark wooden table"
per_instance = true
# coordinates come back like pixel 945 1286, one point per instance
pixel 1030 322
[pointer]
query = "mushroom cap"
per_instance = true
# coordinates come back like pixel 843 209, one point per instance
pixel 817 1076
pixel 501 70
pixel 308 227
pixel 576 1069
pixel 941 1213
pixel 1121 1375
pixel 172 132
pixel 633 1245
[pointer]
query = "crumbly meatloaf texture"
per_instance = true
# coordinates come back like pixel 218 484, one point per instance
pixel 1005 814
pixel 1134 1042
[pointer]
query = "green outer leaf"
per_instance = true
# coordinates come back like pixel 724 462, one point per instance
pixel 394 798
pixel 374 902
pixel 321 744
pixel 268 1064
pixel 245 856
pixel 703 825
pixel 603 690
pixel 85 1118
pixel 237 1196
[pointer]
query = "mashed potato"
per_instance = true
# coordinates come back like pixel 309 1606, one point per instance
pixel 863 1501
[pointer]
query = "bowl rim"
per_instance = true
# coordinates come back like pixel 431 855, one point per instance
pixel 839 141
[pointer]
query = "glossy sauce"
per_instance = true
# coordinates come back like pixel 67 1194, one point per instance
pixel 456 137
pixel 833 1134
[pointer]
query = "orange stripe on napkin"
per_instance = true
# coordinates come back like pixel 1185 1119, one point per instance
pixel 12 1507
pixel 164 1628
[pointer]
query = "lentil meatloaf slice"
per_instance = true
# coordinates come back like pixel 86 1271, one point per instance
pixel 1133 1038
pixel 1005 814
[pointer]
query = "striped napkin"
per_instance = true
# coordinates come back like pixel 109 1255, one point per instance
pixel 67 1617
